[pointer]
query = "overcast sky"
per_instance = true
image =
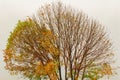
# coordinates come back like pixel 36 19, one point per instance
pixel 107 12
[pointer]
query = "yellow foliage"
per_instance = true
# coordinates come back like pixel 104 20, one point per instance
pixel 50 67
pixel 39 70
pixel 107 70
pixel 76 78
pixel 8 55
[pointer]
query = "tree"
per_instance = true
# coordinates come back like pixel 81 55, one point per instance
pixel 28 54
pixel 58 43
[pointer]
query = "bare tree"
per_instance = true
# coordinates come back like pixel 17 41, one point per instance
pixel 81 41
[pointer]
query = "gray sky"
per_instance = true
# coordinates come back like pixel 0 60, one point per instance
pixel 107 12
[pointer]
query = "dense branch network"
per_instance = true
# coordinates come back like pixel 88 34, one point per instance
pixel 58 37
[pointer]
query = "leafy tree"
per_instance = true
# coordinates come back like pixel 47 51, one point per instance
pixel 29 49
pixel 59 43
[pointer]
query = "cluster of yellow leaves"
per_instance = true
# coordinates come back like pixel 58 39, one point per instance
pixel 39 70
pixel 98 72
pixel 107 70
pixel 50 67
pixel 47 42
pixel 46 69
pixel 76 78
pixel 7 55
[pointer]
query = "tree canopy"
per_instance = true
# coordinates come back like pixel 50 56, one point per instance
pixel 59 43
